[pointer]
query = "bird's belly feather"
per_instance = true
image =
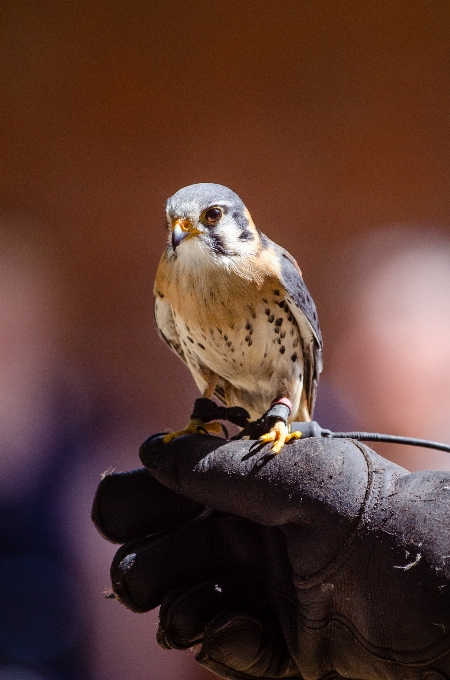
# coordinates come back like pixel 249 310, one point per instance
pixel 253 344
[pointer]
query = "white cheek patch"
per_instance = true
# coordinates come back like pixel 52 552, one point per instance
pixel 229 233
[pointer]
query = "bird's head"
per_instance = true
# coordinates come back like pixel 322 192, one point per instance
pixel 210 218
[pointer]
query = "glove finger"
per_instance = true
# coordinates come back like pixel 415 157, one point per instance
pixel 130 505
pixel 185 613
pixel 246 479
pixel 239 645
pixel 143 572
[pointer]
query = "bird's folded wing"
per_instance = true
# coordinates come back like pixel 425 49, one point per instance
pixel 304 310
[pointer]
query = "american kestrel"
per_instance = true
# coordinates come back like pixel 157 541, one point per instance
pixel 233 305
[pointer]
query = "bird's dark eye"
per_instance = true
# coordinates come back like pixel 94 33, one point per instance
pixel 213 215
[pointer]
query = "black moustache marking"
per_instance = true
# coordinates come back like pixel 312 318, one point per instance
pixel 215 243
pixel 242 222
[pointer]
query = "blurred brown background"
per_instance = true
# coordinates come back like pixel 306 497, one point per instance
pixel 331 121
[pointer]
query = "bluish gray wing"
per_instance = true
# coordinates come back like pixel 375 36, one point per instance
pixel 297 290
pixel 304 310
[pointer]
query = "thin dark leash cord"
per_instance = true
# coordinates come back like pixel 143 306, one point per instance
pixel 313 429
pixel 391 439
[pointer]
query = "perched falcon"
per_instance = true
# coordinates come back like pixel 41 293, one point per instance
pixel 232 304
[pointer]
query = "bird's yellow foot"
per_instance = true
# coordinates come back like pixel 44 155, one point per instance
pixel 280 435
pixel 194 426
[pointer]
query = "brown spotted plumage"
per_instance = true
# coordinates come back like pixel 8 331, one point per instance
pixel 233 305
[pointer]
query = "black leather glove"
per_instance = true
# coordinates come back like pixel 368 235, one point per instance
pixel 325 561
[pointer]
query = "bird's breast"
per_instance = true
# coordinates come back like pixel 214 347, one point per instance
pixel 243 332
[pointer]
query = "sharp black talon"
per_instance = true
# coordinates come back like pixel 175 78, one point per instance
pixel 200 428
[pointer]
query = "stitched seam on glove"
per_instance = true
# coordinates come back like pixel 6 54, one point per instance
pixel 412 658
pixel 371 498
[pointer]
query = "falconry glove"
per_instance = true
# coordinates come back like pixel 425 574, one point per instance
pixel 327 561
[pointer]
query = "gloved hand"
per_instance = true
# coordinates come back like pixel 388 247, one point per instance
pixel 325 561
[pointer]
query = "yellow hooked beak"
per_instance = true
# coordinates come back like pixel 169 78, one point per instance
pixel 181 229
